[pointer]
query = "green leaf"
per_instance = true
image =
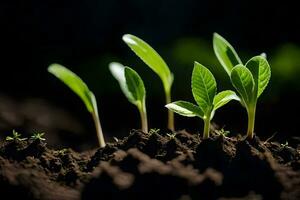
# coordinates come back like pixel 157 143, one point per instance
pixel 261 73
pixel 243 82
pixel 74 83
pixel 204 87
pixel 151 58
pixel 224 97
pixel 118 72
pixel 185 109
pixel 225 53
pixel 135 85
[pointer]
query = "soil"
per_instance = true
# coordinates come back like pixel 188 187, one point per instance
pixel 153 166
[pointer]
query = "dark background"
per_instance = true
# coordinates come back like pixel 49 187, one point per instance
pixel 85 36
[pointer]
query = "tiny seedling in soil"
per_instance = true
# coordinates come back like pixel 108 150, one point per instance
pixel 15 137
pixel 151 58
pixel 80 88
pixel 222 132
pixel 249 80
pixel 133 88
pixel 204 89
pixel 38 136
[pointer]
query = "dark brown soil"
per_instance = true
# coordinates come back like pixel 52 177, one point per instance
pixel 144 166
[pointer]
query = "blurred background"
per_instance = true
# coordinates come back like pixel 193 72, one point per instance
pixel 85 36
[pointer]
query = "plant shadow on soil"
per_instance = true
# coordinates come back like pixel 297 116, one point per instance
pixel 153 166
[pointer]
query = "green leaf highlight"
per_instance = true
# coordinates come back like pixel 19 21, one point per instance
pixel 225 53
pixel 135 85
pixel 204 87
pixel 151 58
pixel 243 82
pixel 185 109
pixel 261 73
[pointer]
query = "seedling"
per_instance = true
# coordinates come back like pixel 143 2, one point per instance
pixel 151 58
pixel 204 89
pixel 80 88
pixel 133 88
pixel 15 137
pixel 38 136
pixel 249 80
pixel 222 132
pixel 154 131
pixel 171 136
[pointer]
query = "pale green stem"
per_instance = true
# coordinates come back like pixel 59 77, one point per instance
pixel 206 127
pixel 251 121
pixel 170 113
pixel 98 129
pixel 144 120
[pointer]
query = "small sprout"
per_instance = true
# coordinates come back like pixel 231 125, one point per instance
pixel 222 132
pixel 154 131
pixel 172 136
pixel 133 88
pixel 286 144
pixel 15 137
pixel 204 89
pixel 80 88
pixel 151 58
pixel 249 80
pixel 38 136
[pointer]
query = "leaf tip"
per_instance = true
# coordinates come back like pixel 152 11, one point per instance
pixel 128 39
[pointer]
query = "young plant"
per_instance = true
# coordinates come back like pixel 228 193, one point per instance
pixel 38 136
pixel 133 88
pixel 249 80
pixel 204 89
pixel 80 88
pixel 151 58
pixel 15 137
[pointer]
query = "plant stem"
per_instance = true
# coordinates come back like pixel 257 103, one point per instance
pixel 98 129
pixel 206 127
pixel 170 113
pixel 144 120
pixel 251 121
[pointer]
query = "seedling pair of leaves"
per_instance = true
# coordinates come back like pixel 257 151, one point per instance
pixel 249 80
pixel 204 89
pixel 133 88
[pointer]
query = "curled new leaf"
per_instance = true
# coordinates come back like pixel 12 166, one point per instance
pixel 261 73
pixel 135 85
pixel 225 53
pixel 243 82
pixel 118 72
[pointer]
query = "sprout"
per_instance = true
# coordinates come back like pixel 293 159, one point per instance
pixel 149 56
pixel 249 80
pixel 80 88
pixel 133 88
pixel 15 137
pixel 204 89
pixel 38 136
